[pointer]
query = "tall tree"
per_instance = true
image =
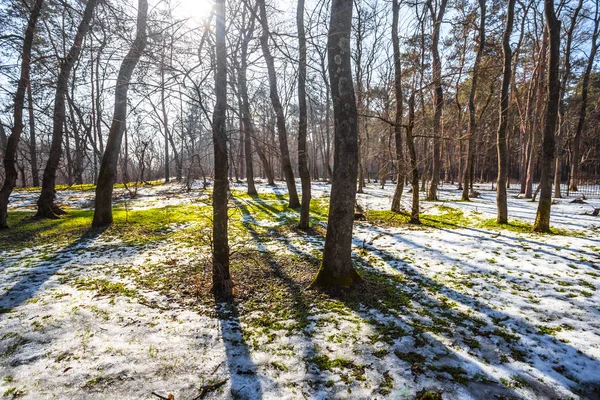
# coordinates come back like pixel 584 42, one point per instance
pixel 437 15
pixel 108 168
pixel 585 83
pixel 222 285
pixel 398 119
pixel 501 201
pixel 561 110
pixel 542 220
pixel 336 269
pixel 472 129
pixel 302 121
pixel 32 139
pixel 45 203
pixel 286 162
pixel 10 154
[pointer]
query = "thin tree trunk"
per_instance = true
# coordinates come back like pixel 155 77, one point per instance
pixel 302 121
pixel 10 153
pixel 438 97
pixel 222 285
pixel 45 203
pixel 542 220
pixel 286 163
pixel 398 120
pixel 501 142
pixel 108 168
pixel 32 140
pixel 337 269
pixel 472 129
pixel 412 154
pixel 575 159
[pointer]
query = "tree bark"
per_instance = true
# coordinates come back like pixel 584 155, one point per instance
pixel 108 167
pixel 45 203
pixel 10 153
pixel 501 143
pixel 438 97
pixel 585 83
pixel 336 269
pixel 398 119
pixel 472 128
pixel 32 140
pixel 222 285
pixel 302 122
pixel 542 220
pixel 286 163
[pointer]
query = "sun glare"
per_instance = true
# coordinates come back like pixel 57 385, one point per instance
pixel 195 9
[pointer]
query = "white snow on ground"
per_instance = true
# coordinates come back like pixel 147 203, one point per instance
pixel 490 313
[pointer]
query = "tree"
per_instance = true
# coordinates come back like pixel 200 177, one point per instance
pixel 302 121
pixel 108 168
pixel 501 201
pixel 222 285
pixel 45 203
pixel 584 96
pixel 438 98
pixel 398 120
pixel 336 269
pixel 542 220
pixel 472 129
pixel 286 162
pixel 12 142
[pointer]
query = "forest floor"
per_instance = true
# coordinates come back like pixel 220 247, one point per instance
pixel 456 308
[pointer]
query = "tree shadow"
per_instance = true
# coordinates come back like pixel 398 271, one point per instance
pixel 31 283
pixel 245 383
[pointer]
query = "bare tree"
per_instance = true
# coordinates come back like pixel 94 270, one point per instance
pixel 12 142
pixel 222 285
pixel 542 220
pixel 45 203
pixel 302 121
pixel 108 168
pixel 337 269
pixel 398 120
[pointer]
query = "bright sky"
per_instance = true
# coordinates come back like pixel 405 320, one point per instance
pixel 194 9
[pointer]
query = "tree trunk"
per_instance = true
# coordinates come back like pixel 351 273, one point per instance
pixel 501 142
pixel 542 220
pixel 398 120
pixel 561 111
pixel 575 159
pixel 108 168
pixel 10 153
pixel 45 203
pixel 222 285
pixel 438 97
pixel 472 129
pixel 32 141
pixel 410 144
pixel 337 269
pixel 302 122
pixel 286 163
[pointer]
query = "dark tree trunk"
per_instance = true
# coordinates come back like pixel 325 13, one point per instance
pixel 10 154
pixel 46 206
pixel 245 106
pixel 472 129
pixel 286 163
pixel 412 154
pixel 32 140
pixel 576 155
pixel 542 220
pixel 501 143
pixel 438 97
pixel 337 269
pixel 3 140
pixel 108 168
pixel 302 121
pixel 222 285
pixel 398 120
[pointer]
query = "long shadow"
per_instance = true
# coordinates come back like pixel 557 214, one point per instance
pixel 30 284
pixel 245 384
pixel 565 355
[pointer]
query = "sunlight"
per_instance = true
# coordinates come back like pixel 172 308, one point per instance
pixel 195 9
